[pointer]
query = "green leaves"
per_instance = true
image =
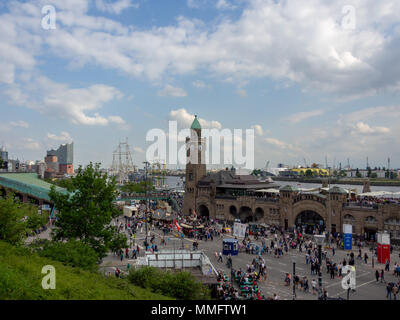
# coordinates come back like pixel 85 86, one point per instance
pixel 16 219
pixel 179 285
pixel 140 187
pixel 85 214
pixel 71 253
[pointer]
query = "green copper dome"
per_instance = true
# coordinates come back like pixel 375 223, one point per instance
pixel 196 124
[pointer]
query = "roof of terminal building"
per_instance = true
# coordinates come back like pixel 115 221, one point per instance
pixel 228 179
pixel 28 183
pixel 337 189
pixel 289 188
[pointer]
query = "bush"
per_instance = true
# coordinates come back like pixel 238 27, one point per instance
pixel 72 253
pixel 21 278
pixel 180 285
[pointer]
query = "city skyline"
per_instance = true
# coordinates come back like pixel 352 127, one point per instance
pixel 308 85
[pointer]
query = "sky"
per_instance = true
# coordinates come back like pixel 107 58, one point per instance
pixel 315 79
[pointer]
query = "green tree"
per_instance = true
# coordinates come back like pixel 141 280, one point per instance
pixel 180 285
pixel 374 175
pixel 309 173
pixel 118 242
pixel 86 212
pixel 17 219
pixel 358 174
pixel 133 187
pixel 71 253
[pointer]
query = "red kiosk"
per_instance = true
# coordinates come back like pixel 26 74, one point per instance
pixel 383 247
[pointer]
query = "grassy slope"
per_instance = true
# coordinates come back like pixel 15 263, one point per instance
pixel 21 278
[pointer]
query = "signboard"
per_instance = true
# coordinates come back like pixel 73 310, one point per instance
pixel 239 229
pixel 383 247
pixel 347 236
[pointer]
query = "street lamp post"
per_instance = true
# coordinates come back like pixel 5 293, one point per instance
pixel 147 201
pixel 319 239
pixel 294 274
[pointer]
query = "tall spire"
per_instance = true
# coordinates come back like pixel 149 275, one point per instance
pixel 196 124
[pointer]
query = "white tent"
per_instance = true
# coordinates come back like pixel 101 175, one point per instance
pixel 379 194
pixel 268 190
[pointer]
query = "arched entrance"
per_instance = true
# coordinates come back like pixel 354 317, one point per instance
pixel 259 214
pixel 245 215
pixel 233 212
pixel 204 212
pixel 308 221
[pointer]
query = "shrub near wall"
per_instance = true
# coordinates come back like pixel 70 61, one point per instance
pixel 180 285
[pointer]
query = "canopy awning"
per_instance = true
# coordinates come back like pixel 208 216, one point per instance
pixel 380 194
pixel 268 190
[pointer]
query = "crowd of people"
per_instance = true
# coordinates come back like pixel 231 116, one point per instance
pixel 275 242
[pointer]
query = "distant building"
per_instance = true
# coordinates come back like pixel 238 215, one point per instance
pixel 3 154
pixel 65 157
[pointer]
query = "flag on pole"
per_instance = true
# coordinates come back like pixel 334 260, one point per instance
pixel 177 225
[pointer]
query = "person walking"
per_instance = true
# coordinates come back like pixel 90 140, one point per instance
pixel 389 289
pixel 395 291
pixel 382 276
pixel 387 265
pixel 332 270
pixel 377 275
pixel 314 286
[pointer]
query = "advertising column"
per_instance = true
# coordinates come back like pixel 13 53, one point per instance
pixel 383 247
pixel 347 236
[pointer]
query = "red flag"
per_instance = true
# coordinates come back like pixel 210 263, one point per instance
pixel 177 225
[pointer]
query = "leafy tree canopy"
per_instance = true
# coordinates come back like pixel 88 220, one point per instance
pixel 85 214
pixel 17 219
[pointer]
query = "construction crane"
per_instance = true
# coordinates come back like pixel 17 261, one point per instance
pixel 158 173
pixel 122 164
pixel 305 162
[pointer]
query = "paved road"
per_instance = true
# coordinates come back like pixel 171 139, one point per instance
pixel 367 288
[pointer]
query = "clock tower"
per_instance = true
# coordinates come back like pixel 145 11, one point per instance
pixel 195 166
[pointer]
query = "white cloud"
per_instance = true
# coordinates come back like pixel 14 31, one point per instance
pixel 138 150
pixel 115 7
pixel 199 84
pixel 185 119
pixel 195 4
pixel 61 101
pixel 172 92
pixel 362 127
pixel 65 136
pixel 30 144
pixel 258 129
pixel 20 123
pixel 116 119
pixel 301 116
pixel 242 93
pixel 275 142
pixel 225 4
pixel 286 41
